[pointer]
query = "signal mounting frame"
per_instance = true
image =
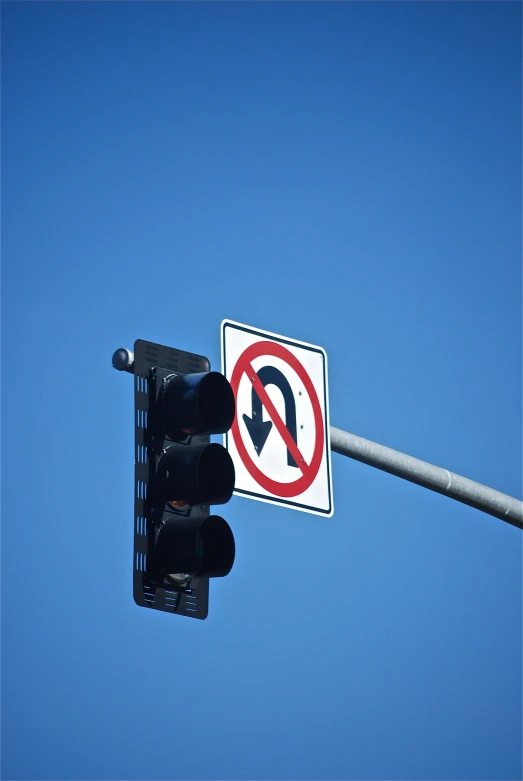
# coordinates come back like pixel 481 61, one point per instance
pixel 153 363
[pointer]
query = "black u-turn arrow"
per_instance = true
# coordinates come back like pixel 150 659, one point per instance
pixel 258 428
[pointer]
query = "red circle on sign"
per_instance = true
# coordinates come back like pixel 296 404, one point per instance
pixel 243 365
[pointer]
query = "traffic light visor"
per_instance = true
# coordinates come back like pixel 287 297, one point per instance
pixel 201 403
pixel 196 474
pixel 196 547
pixel 217 547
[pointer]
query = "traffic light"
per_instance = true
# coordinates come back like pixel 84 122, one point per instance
pixel 179 473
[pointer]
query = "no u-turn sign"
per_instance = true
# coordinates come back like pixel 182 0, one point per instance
pixel 279 441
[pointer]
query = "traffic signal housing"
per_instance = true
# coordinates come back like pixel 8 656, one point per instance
pixel 178 543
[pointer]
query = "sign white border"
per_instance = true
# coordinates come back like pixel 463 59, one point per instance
pixel 295 505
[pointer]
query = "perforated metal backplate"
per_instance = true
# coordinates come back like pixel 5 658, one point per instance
pixel 153 362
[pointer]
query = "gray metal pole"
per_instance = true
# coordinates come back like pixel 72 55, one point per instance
pixel 434 477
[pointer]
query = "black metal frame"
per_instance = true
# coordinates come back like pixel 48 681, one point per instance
pixel 153 363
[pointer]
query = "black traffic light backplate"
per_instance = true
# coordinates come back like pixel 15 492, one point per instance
pixel 152 364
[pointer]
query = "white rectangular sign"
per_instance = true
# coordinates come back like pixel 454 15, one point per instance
pixel 279 441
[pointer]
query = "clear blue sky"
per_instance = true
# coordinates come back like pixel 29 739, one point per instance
pixel 347 174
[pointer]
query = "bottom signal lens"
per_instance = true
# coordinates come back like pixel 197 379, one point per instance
pixel 196 546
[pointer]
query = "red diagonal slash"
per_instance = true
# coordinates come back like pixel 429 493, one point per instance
pixel 276 418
